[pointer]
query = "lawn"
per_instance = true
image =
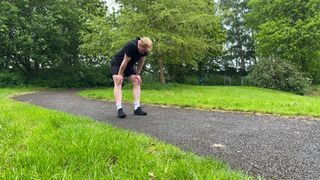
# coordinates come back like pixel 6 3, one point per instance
pixel 234 98
pixel 36 143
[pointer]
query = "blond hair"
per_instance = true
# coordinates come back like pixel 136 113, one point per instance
pixel 146 41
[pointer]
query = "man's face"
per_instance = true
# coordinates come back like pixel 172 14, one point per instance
pixel 144 48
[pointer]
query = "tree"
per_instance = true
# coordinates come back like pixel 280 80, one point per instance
pixel 96 39
pixel 289 30
pixel 8 20
pixel 38 34
pixel 184 32
pixel 239 46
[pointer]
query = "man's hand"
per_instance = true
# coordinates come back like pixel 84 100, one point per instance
pixel 118 79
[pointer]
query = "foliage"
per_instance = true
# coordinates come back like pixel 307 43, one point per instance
pixel 314 91
pixel 96 38
pixel 43 34
pixel 74 77
pixel 8 78
pixel 184 32
pixel 289 30
pixel 281 75
pixel 192 39
pixel 239 49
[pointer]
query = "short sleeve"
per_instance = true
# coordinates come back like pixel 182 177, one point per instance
pixel 130 49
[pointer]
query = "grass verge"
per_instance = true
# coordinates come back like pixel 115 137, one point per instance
pixel 235 98
pixel 37 143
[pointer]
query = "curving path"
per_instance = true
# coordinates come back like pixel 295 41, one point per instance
pixel 261 145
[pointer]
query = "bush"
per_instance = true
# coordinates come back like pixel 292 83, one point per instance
pixel 149 77
pixel 8 78
pixel 191 80
pixel 279 75
pixel 212 79
pixel 74 77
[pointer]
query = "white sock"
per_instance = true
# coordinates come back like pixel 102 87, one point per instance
pixel 119 106
pixel 136 105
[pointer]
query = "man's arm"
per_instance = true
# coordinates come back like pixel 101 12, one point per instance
pixel 123 65
pixel 140 65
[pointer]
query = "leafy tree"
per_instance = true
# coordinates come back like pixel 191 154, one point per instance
pixel 239 46
pixel 184 32
pixel 43 34
pixel 96 40
pixel 289 30
pixel 8 20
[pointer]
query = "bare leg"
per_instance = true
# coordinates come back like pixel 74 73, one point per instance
pixel 136 90
pixel 117 91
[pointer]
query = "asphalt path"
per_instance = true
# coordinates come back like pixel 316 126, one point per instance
pixel 273 147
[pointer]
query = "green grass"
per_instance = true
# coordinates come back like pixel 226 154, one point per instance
pixel 36 143
pixel 249 99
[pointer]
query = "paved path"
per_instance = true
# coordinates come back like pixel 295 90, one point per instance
pixel 269 146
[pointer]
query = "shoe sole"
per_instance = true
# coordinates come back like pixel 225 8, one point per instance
pixel 122 116
pixel 140 114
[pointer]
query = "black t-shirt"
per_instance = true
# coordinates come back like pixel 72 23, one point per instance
pixel 131 50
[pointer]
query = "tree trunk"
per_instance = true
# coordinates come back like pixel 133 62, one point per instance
pixel 22 70
pixel 162 81
pixel 27 65
pixel 242 65
pixel 36 69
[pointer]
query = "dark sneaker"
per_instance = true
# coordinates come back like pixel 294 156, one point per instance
pixel 139 112
pixel 121 114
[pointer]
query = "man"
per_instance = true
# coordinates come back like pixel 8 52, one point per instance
pixel 129 62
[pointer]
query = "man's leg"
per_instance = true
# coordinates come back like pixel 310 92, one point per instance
pixel 136 90
pixel 117 91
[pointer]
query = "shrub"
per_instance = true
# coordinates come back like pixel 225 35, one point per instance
pixel 74 77
pixel 212 79
pixel 280 75
pixel 8 78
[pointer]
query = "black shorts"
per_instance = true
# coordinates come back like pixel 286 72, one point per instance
pixel 127 72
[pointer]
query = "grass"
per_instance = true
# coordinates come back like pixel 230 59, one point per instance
pixel 36 143
pixel 235 98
